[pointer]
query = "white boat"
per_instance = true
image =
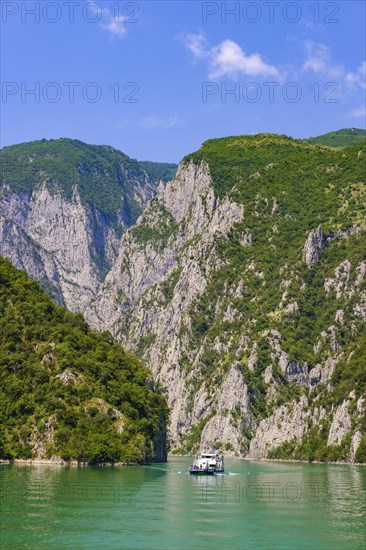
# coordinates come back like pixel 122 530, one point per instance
pixel 208 462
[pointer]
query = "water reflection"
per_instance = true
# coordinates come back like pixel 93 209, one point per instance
pixel 256 505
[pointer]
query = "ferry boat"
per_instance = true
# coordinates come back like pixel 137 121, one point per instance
pixel 208 462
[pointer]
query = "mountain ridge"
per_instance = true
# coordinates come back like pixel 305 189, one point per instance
pixel 242 286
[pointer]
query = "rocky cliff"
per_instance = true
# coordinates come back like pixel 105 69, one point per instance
pixel 63 208
pixel 242 286
pixel 164 264
pixel 245 306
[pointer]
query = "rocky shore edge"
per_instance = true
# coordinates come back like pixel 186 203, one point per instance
pixel 61 462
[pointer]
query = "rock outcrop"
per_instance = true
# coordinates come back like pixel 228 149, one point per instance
pixel 232 415
pixel 314 244
pixel 287 423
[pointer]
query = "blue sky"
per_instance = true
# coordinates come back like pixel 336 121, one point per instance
pixel 156 79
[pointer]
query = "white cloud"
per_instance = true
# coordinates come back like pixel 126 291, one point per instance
pixel 359 112
pixel 319 60
pixel 197 44
pixel 113 23
pixel 358 78
pixel 228 58
pixel 163 123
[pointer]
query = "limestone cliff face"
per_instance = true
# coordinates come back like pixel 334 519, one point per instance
pixel 65 243
pixel 292 422
pixel 60 242
pixel 286 424
pixel 232 397
pixel 150 299
pixel 158 274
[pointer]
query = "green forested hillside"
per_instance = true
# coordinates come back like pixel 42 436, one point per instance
pixel 288 188
pixel 159 170
pixel 340 138
pixel 66 390
pixel 105 177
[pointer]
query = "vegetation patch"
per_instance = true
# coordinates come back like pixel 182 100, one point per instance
pixel 43 350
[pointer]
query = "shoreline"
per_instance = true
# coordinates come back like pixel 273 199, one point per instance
pixel 61 462
pixel 292 460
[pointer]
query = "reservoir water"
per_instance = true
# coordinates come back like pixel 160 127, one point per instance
pixel 256 505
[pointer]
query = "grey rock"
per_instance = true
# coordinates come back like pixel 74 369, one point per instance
pixel 314 244
pixel 341 424
pixel 287 423
pixel 297 373
pixel 67 245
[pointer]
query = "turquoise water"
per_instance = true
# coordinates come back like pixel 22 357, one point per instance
pixel 257 505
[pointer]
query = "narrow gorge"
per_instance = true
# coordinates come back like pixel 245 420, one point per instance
pixel 241 283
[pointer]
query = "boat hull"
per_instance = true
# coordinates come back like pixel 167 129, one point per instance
pixel 207 463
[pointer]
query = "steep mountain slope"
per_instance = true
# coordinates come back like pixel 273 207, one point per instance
pixel 63 208
pixel 67 391
pixel 340 138
pixel 242 285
